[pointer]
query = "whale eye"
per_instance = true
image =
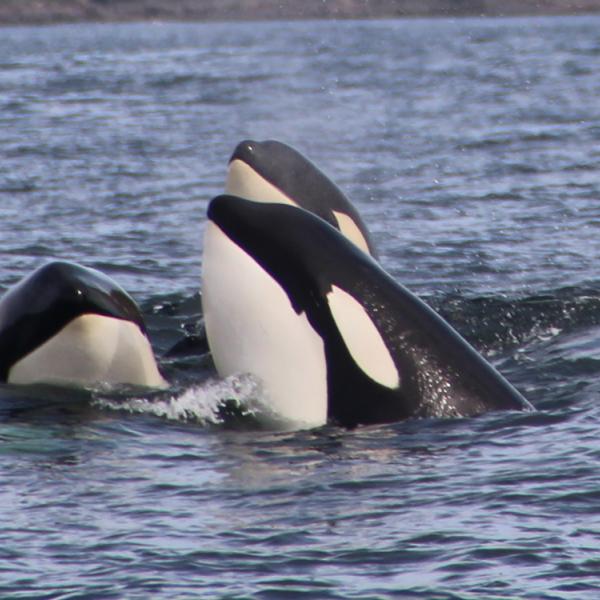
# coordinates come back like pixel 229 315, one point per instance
pixel 362 338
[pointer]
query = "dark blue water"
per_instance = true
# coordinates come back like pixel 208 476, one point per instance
pixel 472 149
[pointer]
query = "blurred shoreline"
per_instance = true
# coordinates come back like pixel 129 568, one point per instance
pixel 31 12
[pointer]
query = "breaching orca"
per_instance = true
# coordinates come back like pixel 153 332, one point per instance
pixel 272 171
pixel 68 324
pixel 329 332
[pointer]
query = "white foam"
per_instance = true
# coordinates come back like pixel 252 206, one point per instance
pixel 199 403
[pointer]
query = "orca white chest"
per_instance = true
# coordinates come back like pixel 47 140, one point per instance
pixel 91 349
pixel 245 182
pixel 252 327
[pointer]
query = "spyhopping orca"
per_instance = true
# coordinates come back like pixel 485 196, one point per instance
pixel 329 332
pixel 271 171
pixel 68 324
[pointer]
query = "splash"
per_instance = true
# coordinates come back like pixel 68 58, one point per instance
pixel 214 402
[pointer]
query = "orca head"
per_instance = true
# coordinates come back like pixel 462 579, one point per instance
pixel 271 171
pixel 66 323
pixel 384 354
pixel 276 305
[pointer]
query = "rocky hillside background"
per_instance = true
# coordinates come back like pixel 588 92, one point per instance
pixel 52 11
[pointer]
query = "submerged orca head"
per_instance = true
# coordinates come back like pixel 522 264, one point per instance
pixel 68 323
pixel 288 298
pixel 271 171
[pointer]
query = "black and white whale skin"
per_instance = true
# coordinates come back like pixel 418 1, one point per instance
pixel 331 335
pixel 67 324
pixel 272 171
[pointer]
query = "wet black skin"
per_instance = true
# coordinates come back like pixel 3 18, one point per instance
pixel 299 179
pixel 441 375
pixel 40 305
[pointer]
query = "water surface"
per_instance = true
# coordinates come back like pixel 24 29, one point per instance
pixel 471 147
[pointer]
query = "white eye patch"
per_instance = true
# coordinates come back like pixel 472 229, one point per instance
pixel 351 231
pixel 362 339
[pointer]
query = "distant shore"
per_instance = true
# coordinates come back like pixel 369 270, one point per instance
pixel 29 12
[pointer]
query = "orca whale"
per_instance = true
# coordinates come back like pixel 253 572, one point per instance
pixel 68 324
pixel 331 335
pixel 272 171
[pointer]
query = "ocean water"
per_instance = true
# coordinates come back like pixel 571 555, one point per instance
pixel 471 148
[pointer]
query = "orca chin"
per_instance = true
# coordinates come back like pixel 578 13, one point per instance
pixel 331 335
pixel 69 325
pixel 274 172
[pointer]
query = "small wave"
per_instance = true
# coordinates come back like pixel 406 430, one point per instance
pixel 235 400
pixel 497 323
